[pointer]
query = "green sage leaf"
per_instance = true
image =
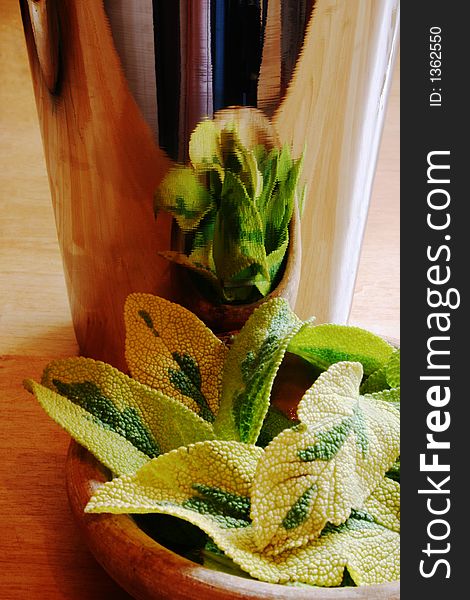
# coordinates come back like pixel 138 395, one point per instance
pixel 122 422
pixel 318 471
pixel 324 345
pixel 249 370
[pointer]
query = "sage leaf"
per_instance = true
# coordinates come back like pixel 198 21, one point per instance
pixel 324 345
pixel 122 422
pixel 392 372
pixel 170 349
pixel 384 504
pixel 250 368
pixel 238 234
pixel 204 146
pixel 208 484
pixel 330 463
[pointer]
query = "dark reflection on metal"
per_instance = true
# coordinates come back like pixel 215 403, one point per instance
pixel 211 54
pixel 242 49
pixel 168 66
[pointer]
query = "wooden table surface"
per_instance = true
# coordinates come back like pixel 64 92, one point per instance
pixel 42 555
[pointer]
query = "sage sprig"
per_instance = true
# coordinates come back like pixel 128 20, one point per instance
pixel 233 204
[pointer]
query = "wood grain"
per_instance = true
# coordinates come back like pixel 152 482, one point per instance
pixel 32 279
pixel 269 84
pixel 42 553
pixel 132 27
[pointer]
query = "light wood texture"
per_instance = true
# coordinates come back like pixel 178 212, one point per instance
pixel 42 552
pixel 34 313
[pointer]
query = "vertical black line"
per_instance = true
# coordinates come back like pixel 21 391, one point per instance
pixel 218 52
pixel 168 68
pixel 242 51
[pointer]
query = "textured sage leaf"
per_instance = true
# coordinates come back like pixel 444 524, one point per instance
pixel 387 395
pixel 171 350
pixel 318 471
pixel 387 376
pixel 215 559
pixel 384 504
pixel 183 196
pixel 229 141
pixel 369 552
pixel 209 483
pixel 324 345
pixel 255 177
pixel 280 206
pixel 394 471
pixel 249 276
pixel 269 174
pixel 288 189
pixel 274 422
pixel 122 422
pixel 109 447
pixel 238 233
pixel 276 257
pixel 249 192
pixel 261 152
pixel 247 170
pixel 250 368
pixel 195 263
pixel 376 382
pixel 215 179
pixel 201 255
pixel 284 163
pixel 392 372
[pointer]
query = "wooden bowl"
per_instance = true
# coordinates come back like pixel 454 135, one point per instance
pixel 149 571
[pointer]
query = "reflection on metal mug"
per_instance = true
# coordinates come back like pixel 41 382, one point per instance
pixel 120 89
